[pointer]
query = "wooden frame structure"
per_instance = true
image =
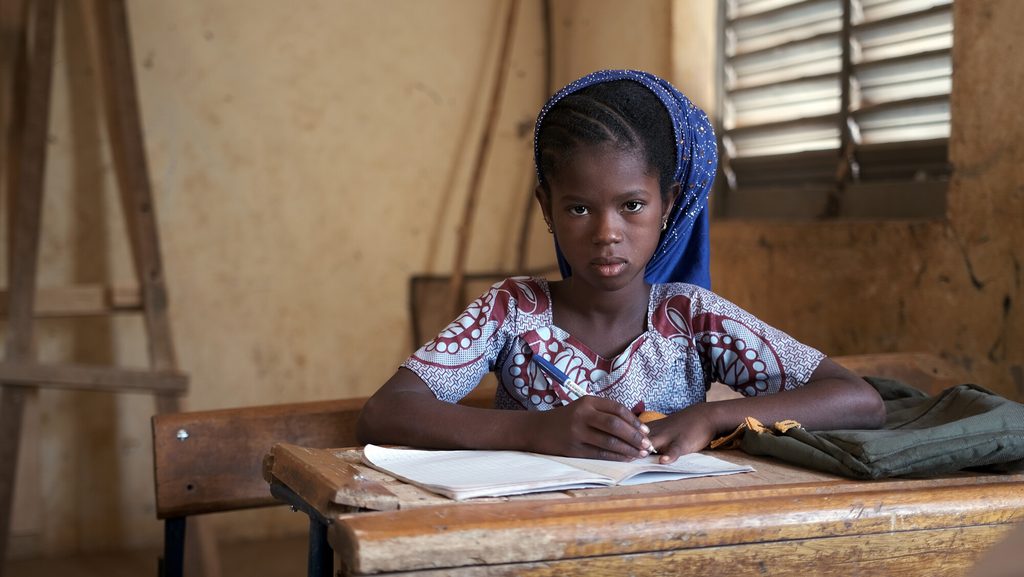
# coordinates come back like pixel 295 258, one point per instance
pixel 32 25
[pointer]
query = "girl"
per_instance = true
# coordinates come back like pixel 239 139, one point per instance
pixel 624 163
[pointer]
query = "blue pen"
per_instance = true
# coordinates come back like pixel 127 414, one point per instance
pixel 565 381
pixel 561 378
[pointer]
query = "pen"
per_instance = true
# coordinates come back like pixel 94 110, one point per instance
pixel 561 378
pixel 566 382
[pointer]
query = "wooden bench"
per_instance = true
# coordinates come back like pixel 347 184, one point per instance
pixel 211 461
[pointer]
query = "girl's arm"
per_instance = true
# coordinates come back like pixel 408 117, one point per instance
pixel 405 412
pixel 833 398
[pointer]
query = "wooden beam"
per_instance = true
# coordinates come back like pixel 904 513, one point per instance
pixel 325 479
pixel 70 376
pixel 124 123
pixel 935 553
pixel 33 74
pixel 530 531
pixel 80 301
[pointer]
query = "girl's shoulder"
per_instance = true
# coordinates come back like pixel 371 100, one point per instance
pixel 679 308
pixel 526 294
pixel 678 290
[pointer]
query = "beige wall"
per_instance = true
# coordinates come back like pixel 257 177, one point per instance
pixel 307 159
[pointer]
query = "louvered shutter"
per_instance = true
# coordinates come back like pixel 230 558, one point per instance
pixel 843 102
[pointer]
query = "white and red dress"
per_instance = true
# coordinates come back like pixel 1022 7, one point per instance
pixel 693 338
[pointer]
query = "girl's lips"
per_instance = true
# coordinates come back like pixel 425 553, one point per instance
pixel 608 267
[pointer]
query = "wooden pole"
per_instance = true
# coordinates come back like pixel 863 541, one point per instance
pixel 549 75
pixel 124 122
pixel 25 218
pixel 112 50
pixel 31 90
pixel 465 233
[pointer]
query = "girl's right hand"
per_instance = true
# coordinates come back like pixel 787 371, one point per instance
pixel 592 428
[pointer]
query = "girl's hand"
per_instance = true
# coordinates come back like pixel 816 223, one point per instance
pixel 593 428
pixel 686 431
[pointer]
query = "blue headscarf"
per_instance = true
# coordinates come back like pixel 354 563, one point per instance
pixel 683 253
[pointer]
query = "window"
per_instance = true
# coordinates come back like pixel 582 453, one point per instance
pixel 834 108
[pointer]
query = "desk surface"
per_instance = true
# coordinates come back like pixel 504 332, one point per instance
pixel 779 520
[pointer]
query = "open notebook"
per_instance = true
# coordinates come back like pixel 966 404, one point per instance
pixel 468 474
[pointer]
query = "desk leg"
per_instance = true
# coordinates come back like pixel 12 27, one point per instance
pixel 173 563
pixel 321 557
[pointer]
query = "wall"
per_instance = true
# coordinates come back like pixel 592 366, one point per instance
pixel 951 286
pixel 306 160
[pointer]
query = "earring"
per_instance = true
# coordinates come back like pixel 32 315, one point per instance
pixel 664 224
pixel 549 227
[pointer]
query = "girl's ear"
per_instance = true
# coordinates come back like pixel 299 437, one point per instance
pixel 670 201
pixel 544 200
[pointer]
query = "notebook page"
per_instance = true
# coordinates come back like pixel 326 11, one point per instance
pixel 649 470
pixel 465 474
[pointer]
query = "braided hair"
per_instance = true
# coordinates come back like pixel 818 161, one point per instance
pixel 623 114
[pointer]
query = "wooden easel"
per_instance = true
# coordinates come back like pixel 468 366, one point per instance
pixel 32 24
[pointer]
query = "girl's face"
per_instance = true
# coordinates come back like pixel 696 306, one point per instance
pixel 606 212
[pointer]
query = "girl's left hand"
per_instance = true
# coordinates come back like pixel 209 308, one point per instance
pixel 687 431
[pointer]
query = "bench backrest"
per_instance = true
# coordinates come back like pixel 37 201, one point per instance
pixel 211 461
pixel 208 461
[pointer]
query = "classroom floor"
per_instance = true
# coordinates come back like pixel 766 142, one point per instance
pixel 267 558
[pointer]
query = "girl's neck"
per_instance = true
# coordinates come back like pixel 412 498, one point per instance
pixel 578 306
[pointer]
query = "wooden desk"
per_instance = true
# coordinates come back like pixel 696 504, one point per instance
pixel 780 520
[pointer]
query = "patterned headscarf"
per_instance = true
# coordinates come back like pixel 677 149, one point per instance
pixel 683 253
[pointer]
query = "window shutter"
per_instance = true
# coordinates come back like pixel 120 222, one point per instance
pixel 834 102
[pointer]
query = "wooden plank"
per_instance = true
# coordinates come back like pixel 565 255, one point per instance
pixel 94 378
pixel 524 531
pixel 117 75
pixel 26 196
pixel 930 553
pixel 80 301
pixel 23 226
pixel 323 480
pixel 218 465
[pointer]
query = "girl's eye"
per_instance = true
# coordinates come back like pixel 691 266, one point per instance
pixel 633 206
pixel 578 210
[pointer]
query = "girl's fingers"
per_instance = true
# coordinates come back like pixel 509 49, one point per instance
pixel 619 422
pixel 607 430
pixel 606 441
pixel 669 454
pixel 617 409
pixel 615 427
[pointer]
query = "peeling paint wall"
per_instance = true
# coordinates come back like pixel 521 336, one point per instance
pixel 306 159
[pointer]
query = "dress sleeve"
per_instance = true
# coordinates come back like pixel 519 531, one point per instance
pixel 741 351
pixel 453 363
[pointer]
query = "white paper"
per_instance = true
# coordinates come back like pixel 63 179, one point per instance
pixel 467 474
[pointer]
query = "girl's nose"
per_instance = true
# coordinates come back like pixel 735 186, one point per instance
pixel 607 229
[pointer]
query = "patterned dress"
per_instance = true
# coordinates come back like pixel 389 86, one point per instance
pixel 693 338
